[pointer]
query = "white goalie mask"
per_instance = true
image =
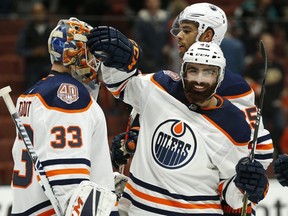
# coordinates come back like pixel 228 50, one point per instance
pixel 206 15
pixel 207 53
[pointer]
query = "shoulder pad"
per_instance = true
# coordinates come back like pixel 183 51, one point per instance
pixel 62 92
pixel 170 82
pixel 227 118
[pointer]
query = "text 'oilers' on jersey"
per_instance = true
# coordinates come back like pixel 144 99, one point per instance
pixel 68 130
pixel 233 87
pixel 185 150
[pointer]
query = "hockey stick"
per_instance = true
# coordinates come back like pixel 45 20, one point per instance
pixel 258 118
pixel 131 119
pixel 43 179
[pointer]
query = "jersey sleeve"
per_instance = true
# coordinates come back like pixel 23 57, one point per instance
pixel 127 87
pixel 236 89
pixel 264 144
pixel 234 147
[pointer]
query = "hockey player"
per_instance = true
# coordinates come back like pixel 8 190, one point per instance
pixel 207 22
pixel 68 130
pixel 190 139
pixel 281 169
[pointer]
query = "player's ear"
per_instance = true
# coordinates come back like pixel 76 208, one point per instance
pixel 207 35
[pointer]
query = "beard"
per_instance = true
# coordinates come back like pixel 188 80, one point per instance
pixel 195 96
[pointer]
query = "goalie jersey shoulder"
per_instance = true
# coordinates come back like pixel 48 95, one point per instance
pixel 62 92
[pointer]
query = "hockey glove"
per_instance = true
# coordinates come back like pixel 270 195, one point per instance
pixel 120 151
pixel 251 178
pixel 281 169
pixel 114 48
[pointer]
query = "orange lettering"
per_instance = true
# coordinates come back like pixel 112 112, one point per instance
pixel 135 55
pixel 78 206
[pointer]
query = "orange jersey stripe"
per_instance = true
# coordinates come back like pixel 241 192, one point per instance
pixel 117 93
pixel 156 83
pixel 220 188
pixel 48 213
pixel 67 171
pixel 170 202
pixel 238 96
pixel 263 146
pixel 56 108
pixel 213 107
pixel 228 209
pixel 224 132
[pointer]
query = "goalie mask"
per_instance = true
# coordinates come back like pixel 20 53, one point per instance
pixel 67 45
pixel 203 85
pixel 206 15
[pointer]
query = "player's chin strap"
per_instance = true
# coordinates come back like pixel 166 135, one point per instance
pixel 258 118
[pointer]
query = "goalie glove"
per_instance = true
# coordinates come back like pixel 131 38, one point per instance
pixel 120 150
pixel 114 48
pixel 281 169
pixel 251 178
pixel 90 199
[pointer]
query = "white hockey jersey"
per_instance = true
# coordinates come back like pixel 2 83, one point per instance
pixel 235 89
pixel 183 152
pixel 68 130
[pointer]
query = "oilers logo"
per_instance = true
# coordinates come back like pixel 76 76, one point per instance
pixel 173 144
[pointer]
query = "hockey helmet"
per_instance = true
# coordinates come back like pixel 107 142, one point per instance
pixel 206 15
pixel 67 45
pixel 208 53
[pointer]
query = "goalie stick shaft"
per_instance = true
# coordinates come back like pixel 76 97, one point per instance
pixel 258 118
pixel 43 179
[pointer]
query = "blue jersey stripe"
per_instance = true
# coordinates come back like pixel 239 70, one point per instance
pixel 34 209
pixel 263 156
pixel 172 195
pixel 263 138
pixel 162 211
pixel 66 161
pixel 67 181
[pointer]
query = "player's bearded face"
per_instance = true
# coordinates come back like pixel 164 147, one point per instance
pixel 199 82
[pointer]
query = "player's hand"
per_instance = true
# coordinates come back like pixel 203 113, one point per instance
pixel 251 178
pixel 281 169
pixel 120 150
pixel 114 48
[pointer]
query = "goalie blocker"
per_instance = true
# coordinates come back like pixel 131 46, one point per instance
pixel 90 199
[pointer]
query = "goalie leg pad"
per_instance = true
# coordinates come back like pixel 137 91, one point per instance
pixel 90 199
